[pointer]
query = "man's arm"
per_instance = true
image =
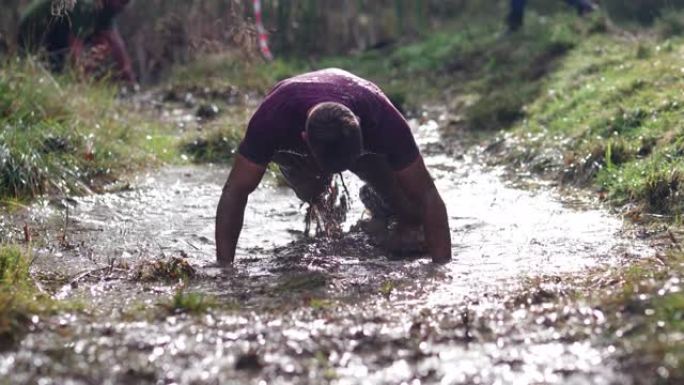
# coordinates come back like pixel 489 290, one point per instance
pixel 243 179
pixel 419 187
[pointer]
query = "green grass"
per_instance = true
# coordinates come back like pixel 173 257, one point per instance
pixel 221 71
pixel 172 269
pixel 192 303
pixel 301 282
pixel 614 108
pixel 65 136
pixel 19 297
pixel 646 317
pixel 473 68
pixel 218 141
pixel 386 288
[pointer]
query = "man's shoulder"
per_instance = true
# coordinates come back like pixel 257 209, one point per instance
pixel 325 77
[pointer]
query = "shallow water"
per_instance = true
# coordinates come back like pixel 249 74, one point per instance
pixel 298 310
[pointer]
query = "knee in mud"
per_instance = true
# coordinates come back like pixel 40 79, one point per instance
pixel 374 203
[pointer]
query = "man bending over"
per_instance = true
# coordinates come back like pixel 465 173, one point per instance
pixel 321 123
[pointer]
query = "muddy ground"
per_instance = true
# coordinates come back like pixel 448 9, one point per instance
pixel 312 310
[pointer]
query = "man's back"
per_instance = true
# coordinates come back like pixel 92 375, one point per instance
pixel 280 119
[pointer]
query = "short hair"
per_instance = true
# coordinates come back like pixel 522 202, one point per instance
pixel 334 136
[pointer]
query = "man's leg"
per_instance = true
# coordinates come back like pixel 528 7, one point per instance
pixel 382 194
pixel 516 15
pixel 396 220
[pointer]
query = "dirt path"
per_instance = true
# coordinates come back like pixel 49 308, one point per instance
pixel 296 310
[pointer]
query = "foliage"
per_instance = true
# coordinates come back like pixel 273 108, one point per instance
pixel 621 109
pixel 193 303
pixel 220 71
pixel 386 288
pixel 66 136
pixel 646 316
pixel 640 12
pixel 218 146
pixel 19 298
pixel 164 269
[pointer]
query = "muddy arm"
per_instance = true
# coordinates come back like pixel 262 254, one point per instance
pixel 419 186
pixel 243 179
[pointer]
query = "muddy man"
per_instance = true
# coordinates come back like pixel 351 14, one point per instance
pixel 321 123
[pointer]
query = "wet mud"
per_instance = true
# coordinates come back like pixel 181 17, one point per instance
pixel 302 310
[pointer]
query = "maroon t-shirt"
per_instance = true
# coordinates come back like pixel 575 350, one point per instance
pixel 280 119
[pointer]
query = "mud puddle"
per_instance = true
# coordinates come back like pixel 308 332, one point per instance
pixel 300 310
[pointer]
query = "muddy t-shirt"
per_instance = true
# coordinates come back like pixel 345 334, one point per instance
pixel 278 123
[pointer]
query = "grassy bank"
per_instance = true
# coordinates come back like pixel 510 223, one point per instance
pixel 611 118
pixel 65 136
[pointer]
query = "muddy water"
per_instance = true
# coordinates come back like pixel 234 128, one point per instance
pixel 300 310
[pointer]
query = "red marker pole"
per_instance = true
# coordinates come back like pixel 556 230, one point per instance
pixel 263 37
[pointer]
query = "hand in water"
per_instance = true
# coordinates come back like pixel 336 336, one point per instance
pixel 405 240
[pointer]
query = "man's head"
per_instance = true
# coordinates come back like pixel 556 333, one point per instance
pixel 333 134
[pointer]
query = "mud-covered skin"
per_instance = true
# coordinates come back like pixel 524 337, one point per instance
pixel 297 310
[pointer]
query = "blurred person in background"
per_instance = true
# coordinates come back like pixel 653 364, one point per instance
pixel 516 14
pixel 87 34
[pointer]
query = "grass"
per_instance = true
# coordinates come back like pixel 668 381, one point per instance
pixel 641 308
pixel 386 288
pixel 228 69
pixel 192 303
pixel 300 282
pixel 68 137
pixel 19 297
pixel 218 141
pixel 614 109
pixel 320 304
pixel 646 318
pixel 172 269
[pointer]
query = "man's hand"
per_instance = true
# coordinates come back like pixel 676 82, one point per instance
pixel 243 179
pixel 406 240
pixel 416 182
